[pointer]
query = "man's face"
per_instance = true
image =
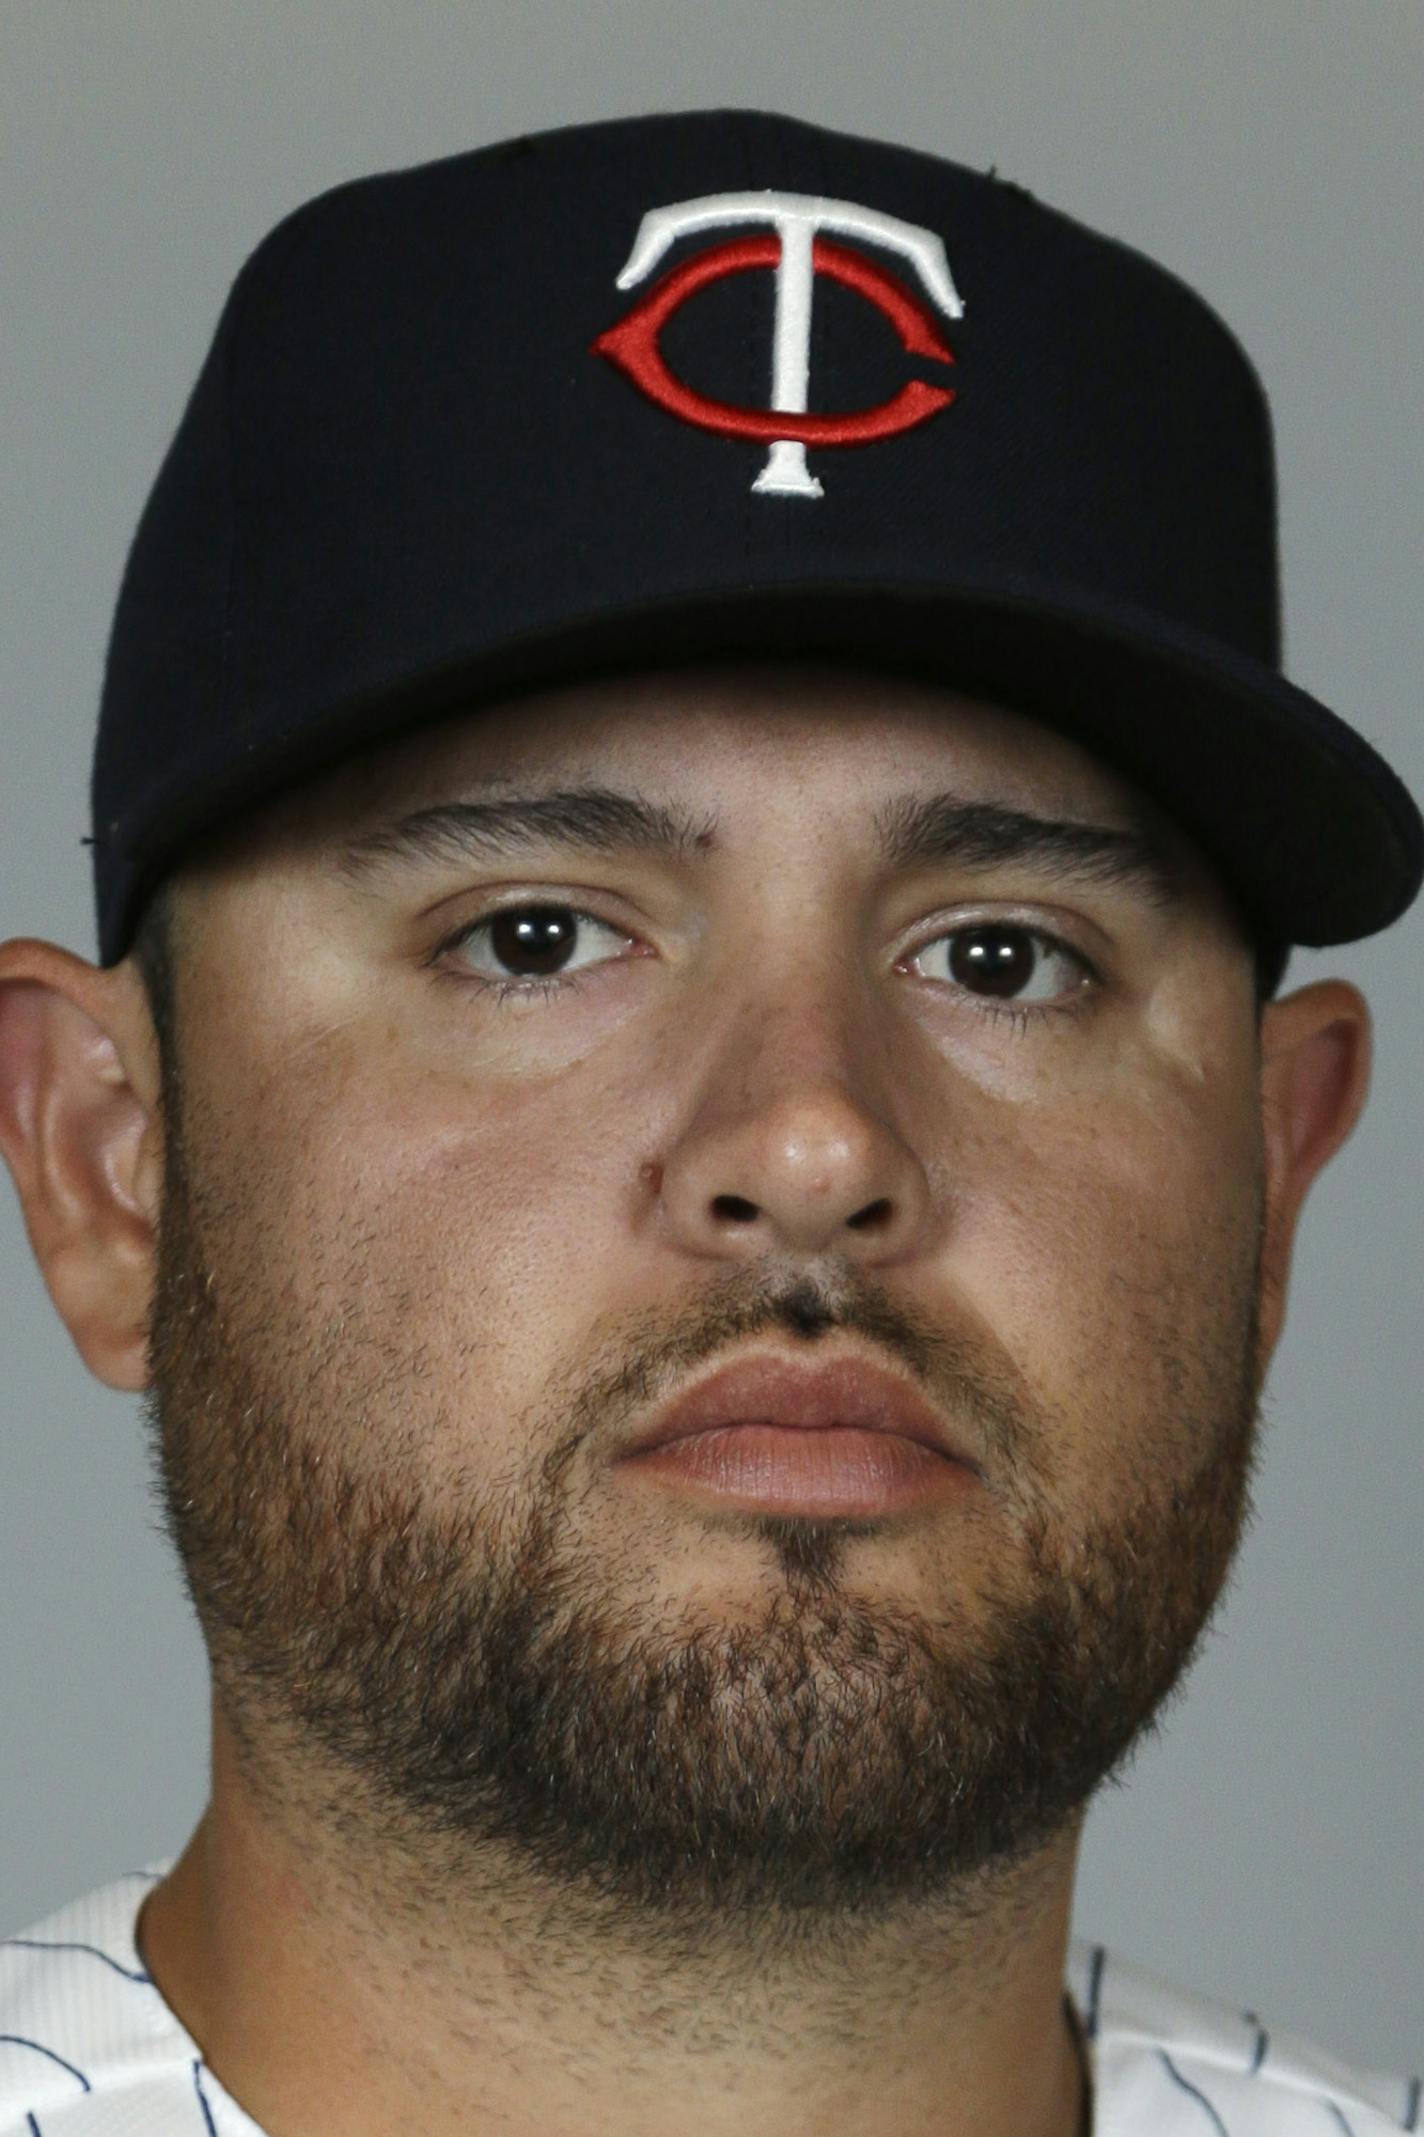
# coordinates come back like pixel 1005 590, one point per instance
pixel 430 1258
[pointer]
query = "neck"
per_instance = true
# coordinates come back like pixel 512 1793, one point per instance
pixel 332 1986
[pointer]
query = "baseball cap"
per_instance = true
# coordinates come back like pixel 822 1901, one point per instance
pixel 711 384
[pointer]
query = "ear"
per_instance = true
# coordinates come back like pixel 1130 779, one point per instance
pixel 80 1131
pixel 1316 1054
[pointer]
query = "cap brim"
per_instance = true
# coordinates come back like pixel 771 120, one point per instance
pixel 1311 830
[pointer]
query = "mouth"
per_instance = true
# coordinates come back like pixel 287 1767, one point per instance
pixel 817 1470
pixel 770 1434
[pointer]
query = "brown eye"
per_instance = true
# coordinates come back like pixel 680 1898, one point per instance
pixel 1006 962
pixel 527 943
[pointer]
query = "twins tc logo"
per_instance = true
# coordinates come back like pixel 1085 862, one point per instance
pixel 798 255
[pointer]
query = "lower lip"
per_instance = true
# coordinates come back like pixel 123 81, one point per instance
pixel 792 1469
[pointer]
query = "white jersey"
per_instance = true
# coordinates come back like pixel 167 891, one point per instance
pixel 88 2046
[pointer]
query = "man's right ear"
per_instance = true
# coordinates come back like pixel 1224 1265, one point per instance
pixel 81 1133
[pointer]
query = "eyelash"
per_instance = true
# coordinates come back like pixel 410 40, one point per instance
pixel 546 989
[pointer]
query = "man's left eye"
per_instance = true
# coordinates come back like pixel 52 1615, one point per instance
pixel 996 959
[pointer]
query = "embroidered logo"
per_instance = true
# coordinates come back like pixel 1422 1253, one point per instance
pixel 798 253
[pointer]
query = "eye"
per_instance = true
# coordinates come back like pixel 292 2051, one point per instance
pixel 527 948
pixel 997 961
pixel 530 950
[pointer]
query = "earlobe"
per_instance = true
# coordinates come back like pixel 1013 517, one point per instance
pixel 79 1129
pixel 1316 1054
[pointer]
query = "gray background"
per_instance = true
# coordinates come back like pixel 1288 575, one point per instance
pixel 1268 1848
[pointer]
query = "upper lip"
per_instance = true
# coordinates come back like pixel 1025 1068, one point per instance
pixel 765 1389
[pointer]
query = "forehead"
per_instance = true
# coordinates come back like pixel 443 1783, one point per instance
pixel 766 736
pixel 772 751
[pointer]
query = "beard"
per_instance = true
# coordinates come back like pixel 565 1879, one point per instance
pixel 450 1672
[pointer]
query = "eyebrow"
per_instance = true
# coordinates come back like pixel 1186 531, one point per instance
pixel 914 830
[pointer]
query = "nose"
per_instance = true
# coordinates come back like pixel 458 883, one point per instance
pixel 793 1151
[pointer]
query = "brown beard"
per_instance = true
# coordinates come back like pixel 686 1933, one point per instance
pixel 463 1678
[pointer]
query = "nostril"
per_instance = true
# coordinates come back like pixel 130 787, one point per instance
pixel 875 1216
pixel 734 1206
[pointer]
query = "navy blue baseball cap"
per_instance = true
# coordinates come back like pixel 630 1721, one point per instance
pixel 721 384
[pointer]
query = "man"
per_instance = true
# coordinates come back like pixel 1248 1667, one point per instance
pixel 685 1121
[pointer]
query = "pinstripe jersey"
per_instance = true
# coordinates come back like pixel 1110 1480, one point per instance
pixel 88 2048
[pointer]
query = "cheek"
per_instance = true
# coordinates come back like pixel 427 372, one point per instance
pixel 1110 1246
pixel 426 1241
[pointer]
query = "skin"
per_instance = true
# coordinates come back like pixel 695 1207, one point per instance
pixel 400 1271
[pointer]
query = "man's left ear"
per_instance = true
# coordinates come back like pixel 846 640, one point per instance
pixel 79 1129
pixel 1316 1055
